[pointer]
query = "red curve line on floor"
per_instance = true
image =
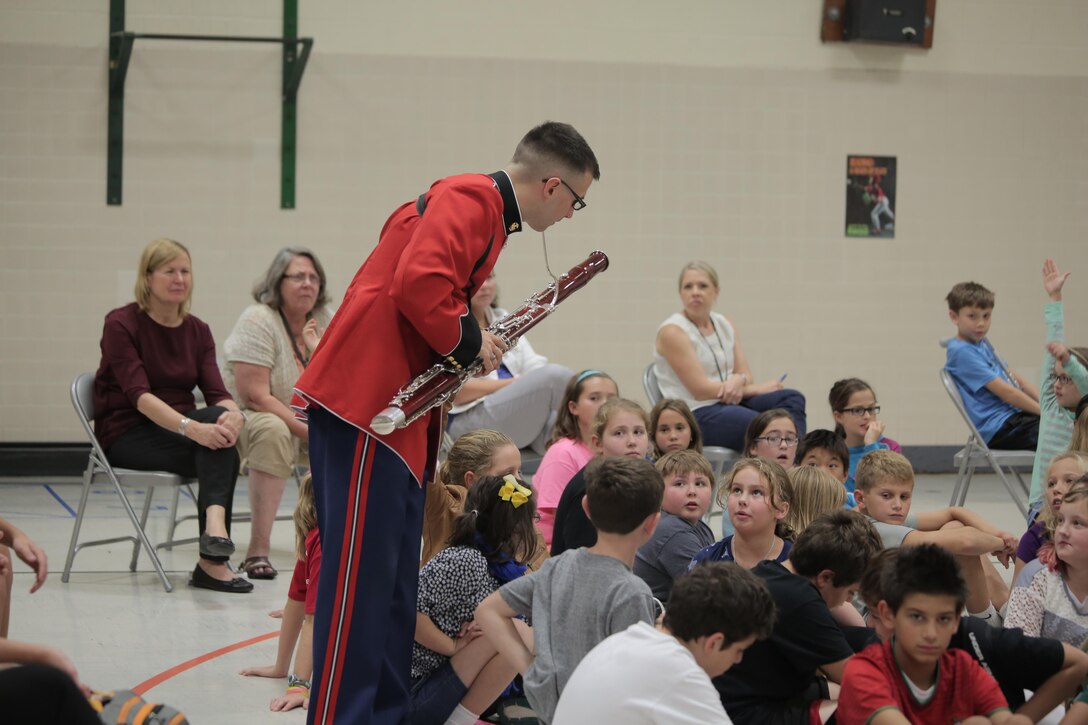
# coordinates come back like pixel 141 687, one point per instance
pixel 165 675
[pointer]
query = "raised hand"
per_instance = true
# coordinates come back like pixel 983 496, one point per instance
pixel 1053 280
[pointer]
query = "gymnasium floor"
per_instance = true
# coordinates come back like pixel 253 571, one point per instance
pixel 122 630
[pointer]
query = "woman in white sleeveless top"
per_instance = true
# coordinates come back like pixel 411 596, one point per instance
pixel 698 359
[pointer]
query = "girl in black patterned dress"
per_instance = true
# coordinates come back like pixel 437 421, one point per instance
pixel 456 673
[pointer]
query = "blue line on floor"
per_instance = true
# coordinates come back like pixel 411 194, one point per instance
pixel 55 495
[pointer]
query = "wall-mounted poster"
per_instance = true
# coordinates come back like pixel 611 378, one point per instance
pixel 870 196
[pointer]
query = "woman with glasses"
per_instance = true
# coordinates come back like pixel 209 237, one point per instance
pixel 699 359
pixel 268 349
pixel 855 410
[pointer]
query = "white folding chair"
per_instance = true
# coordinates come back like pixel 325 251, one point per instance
pixel 976 453
pixel 98 471
pixel 719 456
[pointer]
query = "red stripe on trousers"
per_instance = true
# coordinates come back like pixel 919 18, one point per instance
pixel 345 579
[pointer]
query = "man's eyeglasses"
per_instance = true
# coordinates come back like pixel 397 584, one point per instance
pixel 775 440
pixel 1061 379
pixel 859 411
pixel 301 277
pixel 578 203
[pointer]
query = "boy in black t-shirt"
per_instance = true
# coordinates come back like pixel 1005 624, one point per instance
pixel 784 679
pixel 1050 669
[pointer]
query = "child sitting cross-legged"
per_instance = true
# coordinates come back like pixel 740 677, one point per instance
pixel 785 678
pixel 681 533
pixel 580 597
pixel 644 676
pixel 885 484
pixel 456 673
pixel 1049 669
pixel 914 677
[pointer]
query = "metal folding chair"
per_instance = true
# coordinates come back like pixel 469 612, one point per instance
pixel 976 453
pixel 100 471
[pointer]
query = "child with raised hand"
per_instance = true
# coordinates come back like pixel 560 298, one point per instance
pixel 570 448
pixel 854 407
pixel 584 595
pixel 914 677
pixel 772 436
pixel 298 613
pixel 1064 381
pixel 674 428
pixel 619 429
pixel 1064 469
pixel 885 486
pixel 815 492
pixel 681 533
pixel 456 674
pixel 758 496
pixel 1049 669
pixel 648 676
pixel 480 452
pixel 1049 603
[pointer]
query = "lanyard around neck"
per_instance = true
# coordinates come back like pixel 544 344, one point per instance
pixel 303 360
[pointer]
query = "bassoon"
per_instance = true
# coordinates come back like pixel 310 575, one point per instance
pixel 441 381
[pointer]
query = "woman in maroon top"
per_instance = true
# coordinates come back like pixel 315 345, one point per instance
pixel 154 353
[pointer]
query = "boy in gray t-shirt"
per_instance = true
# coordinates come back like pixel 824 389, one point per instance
pixel 885 484
pixel 582 596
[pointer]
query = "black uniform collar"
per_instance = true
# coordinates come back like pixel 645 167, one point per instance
pixel 511 211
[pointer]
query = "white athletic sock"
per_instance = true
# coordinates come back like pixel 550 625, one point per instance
pixel 461 716
pixel 990 616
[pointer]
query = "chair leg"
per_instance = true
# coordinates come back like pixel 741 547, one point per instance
pixel 959 489
pixel 1020 501
pixel 88 476
pixel 143 536
pixel 172 517
pixel 150 493
pixel 966 484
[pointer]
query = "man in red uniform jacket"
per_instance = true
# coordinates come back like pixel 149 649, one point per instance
pixel 407 306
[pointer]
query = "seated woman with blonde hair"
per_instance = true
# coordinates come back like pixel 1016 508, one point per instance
pixel 153 354
pixel 266 352
pixel 699 359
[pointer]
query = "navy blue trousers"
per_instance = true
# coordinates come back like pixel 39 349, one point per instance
pixel 724 425
pixel 370 518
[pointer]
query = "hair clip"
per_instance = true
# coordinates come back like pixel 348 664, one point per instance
pixel 514 492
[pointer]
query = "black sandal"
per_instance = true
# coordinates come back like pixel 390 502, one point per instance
pixel 259 567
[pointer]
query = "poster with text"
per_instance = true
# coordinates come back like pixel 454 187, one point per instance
pixel 870 196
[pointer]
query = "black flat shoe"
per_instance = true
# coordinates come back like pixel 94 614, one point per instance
pixel 215 546
pixel 203 580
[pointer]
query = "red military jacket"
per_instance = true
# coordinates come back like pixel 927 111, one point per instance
pixel 408 306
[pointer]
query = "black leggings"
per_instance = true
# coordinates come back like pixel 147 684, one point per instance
pixel 149 447
pixel 43 695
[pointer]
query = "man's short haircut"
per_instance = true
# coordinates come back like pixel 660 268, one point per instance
pixel 828 440
pixel 880 467
pixel 553 143
pixel 720 596
pixel 923 569
pixel 970 294
pixel 842 541
pixel 871 590
pixel 622 492
pixel 683 462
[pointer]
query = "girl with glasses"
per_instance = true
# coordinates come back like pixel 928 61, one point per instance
pixel 854 407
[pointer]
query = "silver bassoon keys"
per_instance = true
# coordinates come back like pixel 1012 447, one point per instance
pixel 441 382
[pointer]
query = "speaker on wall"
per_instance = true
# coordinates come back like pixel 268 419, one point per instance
pixel 885 21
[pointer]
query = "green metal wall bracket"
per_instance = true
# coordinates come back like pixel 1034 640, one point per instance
pixel 296 51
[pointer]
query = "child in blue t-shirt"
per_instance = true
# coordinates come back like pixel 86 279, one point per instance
pixel 1002 405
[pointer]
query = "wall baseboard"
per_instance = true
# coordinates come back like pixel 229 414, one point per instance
pixel 19 460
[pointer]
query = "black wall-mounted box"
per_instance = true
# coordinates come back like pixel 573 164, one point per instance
pixel 886 21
